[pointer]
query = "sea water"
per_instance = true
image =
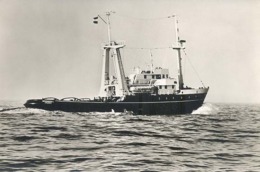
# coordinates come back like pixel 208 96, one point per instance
pixel 216 137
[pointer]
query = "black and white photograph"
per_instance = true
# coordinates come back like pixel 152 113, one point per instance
pixel 130 85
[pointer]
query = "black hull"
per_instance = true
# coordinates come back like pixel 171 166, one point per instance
pixel 182 105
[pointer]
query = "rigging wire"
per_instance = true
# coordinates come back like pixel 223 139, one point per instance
pixel 193 68
pixel 138 18
pixel 184 70
pixel 148 48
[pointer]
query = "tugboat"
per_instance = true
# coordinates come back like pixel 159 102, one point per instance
pixel 145 92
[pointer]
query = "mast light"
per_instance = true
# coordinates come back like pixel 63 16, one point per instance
pixel 183 43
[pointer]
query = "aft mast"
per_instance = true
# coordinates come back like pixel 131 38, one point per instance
pixel 178 47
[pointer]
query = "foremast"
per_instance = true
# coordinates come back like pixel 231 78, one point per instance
pixel 112 47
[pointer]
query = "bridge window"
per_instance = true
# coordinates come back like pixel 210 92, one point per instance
pixel 144 76
pixel 160 87
pixel 173 87
pixel 166 75
pixel 163 76
pixel 158 76
pixel 153 76
pixel 165 86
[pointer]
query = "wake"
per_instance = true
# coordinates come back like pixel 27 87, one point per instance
pixel 20 110
pixel 10 109
pixel 206 109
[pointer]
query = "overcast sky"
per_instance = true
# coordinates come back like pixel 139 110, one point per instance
pixel 52 48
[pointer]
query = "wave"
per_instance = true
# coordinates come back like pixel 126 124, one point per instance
pixel 206 109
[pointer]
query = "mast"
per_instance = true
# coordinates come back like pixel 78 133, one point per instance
pixel 106 55
pixel 114 48
pixel 179 46
pixel 108 28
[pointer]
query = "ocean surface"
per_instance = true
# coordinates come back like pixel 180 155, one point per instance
pixel 216 137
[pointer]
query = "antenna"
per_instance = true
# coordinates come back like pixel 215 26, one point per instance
pixel 108 26
pixel 177 30
pixel 151 56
